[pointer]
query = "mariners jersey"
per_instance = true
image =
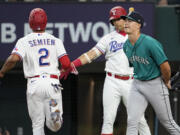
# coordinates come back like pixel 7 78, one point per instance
pixel 116 60
pixel 40 53
pixel 145 55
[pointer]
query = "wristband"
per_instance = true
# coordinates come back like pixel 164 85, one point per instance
pixel 77 63
pixel 87 57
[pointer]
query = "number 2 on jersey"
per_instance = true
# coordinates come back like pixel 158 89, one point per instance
pixel 45 54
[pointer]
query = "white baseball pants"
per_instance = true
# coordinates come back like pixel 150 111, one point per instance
pixel 39 94
pixel 114 91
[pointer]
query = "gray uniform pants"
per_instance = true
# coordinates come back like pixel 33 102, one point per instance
pixel 156 93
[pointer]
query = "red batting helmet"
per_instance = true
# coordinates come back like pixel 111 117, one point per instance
pixel 37 19
pixel 116 13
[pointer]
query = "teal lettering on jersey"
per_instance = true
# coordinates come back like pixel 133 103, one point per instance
pixel 145 56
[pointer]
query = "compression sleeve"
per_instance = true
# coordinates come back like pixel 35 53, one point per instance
pixel 65 62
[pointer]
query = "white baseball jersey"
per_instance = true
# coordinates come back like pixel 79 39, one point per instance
pixel 40 53
pixel 116 89
pixel 116 60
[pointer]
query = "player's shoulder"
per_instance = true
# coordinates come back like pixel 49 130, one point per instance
pixel 21 39
pixel 52 37
pixel 49 35
pixel 109 35
pixel 126 43
pixel 112 34
pixel 151 41
pixel 149 38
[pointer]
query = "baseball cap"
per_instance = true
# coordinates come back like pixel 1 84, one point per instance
pixel 134 16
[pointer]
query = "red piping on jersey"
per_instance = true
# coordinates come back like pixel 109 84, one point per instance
pixel 65 62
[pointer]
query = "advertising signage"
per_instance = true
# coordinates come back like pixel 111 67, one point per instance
pixel 79 25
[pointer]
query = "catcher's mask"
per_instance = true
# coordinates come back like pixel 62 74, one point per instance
pixel 37 19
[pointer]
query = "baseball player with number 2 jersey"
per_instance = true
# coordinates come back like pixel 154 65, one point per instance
pixel 119 75
pixel 41 54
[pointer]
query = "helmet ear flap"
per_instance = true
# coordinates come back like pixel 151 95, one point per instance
pixel 37 19
pixel 116 13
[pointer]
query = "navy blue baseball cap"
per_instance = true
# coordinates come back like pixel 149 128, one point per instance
pixel 134 16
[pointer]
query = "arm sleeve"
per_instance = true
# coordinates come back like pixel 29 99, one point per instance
pixel 19 49
pixel 157 52
pixel 65 61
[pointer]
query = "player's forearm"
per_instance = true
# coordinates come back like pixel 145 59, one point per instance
pixel 87 57
pixel 165 71
pixel 10 63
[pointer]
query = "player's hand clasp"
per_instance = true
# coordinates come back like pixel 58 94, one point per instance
pixel 64 73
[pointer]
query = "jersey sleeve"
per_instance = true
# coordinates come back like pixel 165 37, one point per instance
pixel 157 52
pixel 60 49
pixel 19 49
pixel 102 45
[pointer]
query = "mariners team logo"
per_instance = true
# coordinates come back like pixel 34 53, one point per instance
pixel 115 46
pixel 139 59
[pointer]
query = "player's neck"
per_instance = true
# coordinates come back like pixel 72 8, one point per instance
pixel 121 32
pixel 134 37
pixel 39 31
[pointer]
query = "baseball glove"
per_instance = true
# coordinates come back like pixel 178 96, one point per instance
pixel 175 82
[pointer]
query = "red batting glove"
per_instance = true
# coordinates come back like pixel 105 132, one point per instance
pixel 73 69
pixel 64 73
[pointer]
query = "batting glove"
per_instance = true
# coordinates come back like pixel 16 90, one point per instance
pixel 64 73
